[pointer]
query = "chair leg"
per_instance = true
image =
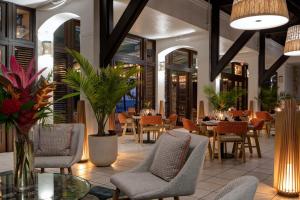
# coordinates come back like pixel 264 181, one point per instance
pixel 176 198
pixel 42 170
pixel 116 194
pixel 243 150
pixel 257 144
pixel 134 132
pixel 62 170
pixel 213 148
pixel 210 152
pixel 160 198
pixel 249 144
pixel 70 170
pixel 219 150
pixel 124 129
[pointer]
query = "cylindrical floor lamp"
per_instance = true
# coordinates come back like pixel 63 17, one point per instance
pixel 287 148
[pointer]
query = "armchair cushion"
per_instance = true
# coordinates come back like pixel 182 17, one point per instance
pixel 54 141
pixel 135 184
pixel 170 155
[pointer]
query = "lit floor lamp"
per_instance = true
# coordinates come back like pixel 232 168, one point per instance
pixel 287 147
pixel 82 119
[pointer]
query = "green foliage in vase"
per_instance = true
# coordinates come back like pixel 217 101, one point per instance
pixel 268 98
pixel 103 88
pixel 224 100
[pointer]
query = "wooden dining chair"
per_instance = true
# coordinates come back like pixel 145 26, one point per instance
pixel 150 124
pixel 171 122
pixel 131 110
pixel 257 125
pixel 193 128
pixel 234 132
pixel 268 120
pixel 127 123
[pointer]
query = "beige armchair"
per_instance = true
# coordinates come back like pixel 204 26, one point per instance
pixel 58 146
pixel 140 184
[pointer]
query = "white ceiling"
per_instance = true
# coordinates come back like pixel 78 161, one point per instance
pixel 29 3
pixel 153 24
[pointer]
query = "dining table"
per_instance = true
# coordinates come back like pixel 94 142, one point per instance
pixel 137 119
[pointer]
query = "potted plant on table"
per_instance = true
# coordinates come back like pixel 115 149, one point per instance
pixel 23 102
pixel 223 100
pixel 103 88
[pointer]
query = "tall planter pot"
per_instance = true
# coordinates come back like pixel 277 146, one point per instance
pixel 103 151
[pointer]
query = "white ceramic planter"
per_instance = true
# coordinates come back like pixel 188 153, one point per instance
pixel 103 150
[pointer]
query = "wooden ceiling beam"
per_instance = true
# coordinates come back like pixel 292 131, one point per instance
pixel 264 74
pixel 118 34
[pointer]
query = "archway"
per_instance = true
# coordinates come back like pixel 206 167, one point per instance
pixel 161 71
pixel 166 71
pixel 45 42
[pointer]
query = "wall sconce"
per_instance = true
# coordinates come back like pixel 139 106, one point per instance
pixel 287 146
pixel 162 66
pixel 47 47
pixel 76 66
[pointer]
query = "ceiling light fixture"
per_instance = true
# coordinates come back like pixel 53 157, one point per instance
pixel 258 14
pixel 292 42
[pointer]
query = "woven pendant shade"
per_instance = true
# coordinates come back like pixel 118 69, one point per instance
pixel 292 43
pixel 287 149
pixel 258 14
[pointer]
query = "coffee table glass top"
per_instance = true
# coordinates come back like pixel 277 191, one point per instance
pixel 48 187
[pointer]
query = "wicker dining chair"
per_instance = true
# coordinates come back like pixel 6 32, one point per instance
pixel 257 125
pixel 268 120
pixel 234 132
pixel 150 124
pixel 193 128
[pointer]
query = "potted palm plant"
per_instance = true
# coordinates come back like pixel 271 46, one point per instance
pixel 103 88
pixel 224 100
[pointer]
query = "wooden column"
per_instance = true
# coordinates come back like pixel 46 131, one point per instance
pixel 81 118
pixel 201 112
pixel 161 108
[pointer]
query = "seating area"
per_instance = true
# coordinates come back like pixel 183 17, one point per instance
pixel 149 99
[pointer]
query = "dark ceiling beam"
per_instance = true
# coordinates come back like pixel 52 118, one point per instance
pixel 233 50
pixel 214 35
pixel 293 7
pixel 121 29
pixel 264 74
pixel 217 65
pixel 225 2
pixel 261 57
pixel 272 70
pixel 106 26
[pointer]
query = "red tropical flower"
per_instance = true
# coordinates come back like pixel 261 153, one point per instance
pixel 17 76
pixel 10 106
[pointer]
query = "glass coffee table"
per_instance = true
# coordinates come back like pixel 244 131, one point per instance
pixel 49 186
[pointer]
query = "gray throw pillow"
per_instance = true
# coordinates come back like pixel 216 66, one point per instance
pixel 54 140
pixel 170 155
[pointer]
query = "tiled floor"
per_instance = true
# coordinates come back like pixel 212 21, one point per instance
pixel 213 176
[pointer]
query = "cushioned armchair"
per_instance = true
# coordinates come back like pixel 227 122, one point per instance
pixel 241 188
pixel 140 183
pixel 58 146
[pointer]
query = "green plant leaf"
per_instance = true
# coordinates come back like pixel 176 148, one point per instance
pixel 28 105
pixel 67 96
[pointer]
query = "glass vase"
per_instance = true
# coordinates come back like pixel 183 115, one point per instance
pixel 24 178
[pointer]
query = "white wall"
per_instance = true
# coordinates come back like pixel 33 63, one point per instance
pixel 87 10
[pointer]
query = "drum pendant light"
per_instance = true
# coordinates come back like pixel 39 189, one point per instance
pixel 292 42
pixel 258 14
